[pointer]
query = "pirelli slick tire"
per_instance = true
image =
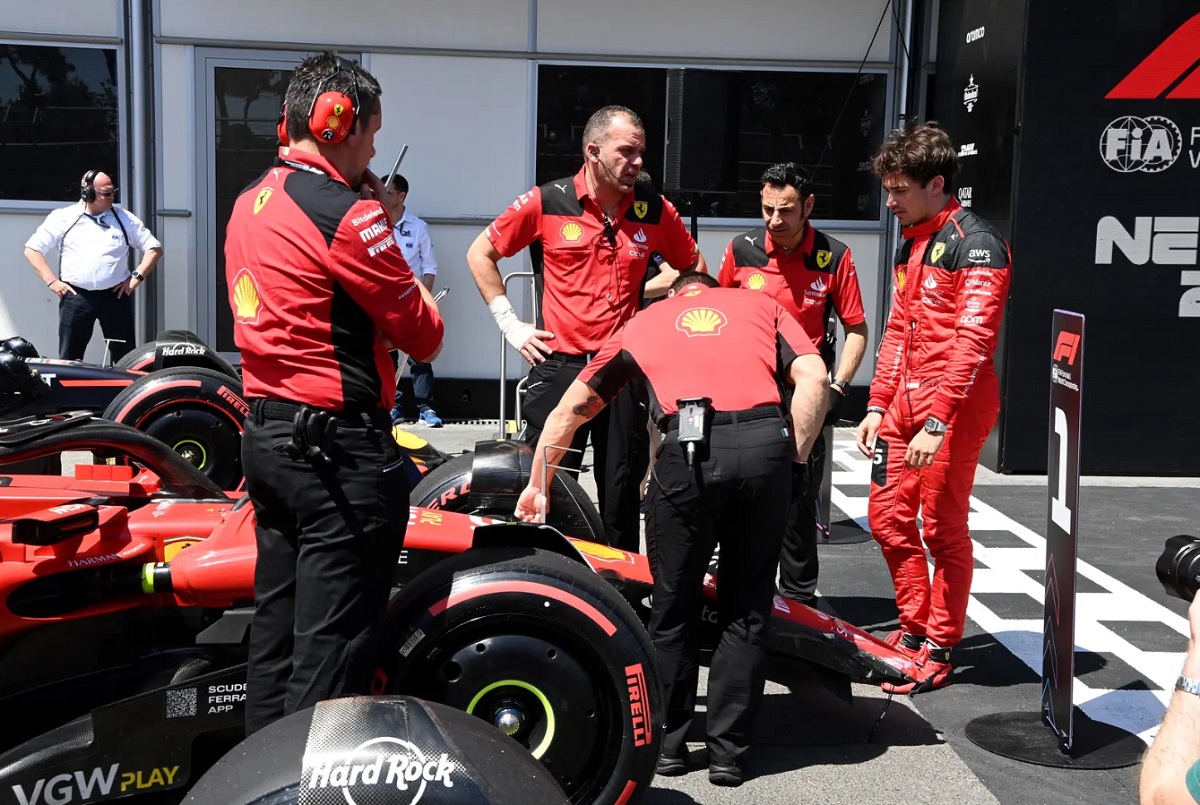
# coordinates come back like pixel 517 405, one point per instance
pixel 546 651
pixel 448 487
pixel 198 413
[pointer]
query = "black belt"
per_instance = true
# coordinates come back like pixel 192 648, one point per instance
pixel 671 421
pixel 281 411
pixel 568 358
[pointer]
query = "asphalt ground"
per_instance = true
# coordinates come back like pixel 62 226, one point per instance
pixel 814 747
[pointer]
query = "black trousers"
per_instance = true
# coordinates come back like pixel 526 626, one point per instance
pixel 798 562
pixel 737 497
pixel 328 543
pixel 77 316
pixel 620 443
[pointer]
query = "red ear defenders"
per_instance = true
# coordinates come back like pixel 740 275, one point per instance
pixel 330 118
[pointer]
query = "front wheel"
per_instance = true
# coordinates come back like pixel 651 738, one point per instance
pixel 544 650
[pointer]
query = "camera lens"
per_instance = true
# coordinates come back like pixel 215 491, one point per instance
pixel 1179 567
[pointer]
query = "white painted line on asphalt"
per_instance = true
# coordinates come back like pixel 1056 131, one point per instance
pixel 1137 711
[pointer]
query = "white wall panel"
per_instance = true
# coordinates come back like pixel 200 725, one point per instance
pixel 178 172
pixel 466 122
pixel 494 24
pixel 63 17
pixel 766 29
pixel 472 343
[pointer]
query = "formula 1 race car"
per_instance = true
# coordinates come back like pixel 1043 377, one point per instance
pixel 127 593
pixel 175 388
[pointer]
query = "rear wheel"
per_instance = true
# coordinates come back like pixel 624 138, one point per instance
pixel 198 413
pixel 544 650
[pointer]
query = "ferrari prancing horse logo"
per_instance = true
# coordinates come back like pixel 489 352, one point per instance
pixel 936 253
pixel 262 198
pixel 640 208
pixel 823 258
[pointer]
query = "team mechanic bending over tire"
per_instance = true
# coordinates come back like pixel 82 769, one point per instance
pixel 735 492
pixel 320 293
pixel 935 396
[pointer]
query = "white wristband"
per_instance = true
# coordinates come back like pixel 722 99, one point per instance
pixel 515 331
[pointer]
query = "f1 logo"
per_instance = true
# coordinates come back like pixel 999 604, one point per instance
pixel 1066 346
pixel 1169 64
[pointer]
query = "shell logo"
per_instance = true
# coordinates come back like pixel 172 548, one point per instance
pixel 756 282
pixel 246 302
pixel 262 198
pixel 332 123
pixel 601 552
pixel 571 231
pixel 823 258
pixel 700 321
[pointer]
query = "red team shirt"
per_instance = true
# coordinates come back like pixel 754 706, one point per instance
pixel 819 273
pixel 590 287
pixel 744 342
pixel 315 277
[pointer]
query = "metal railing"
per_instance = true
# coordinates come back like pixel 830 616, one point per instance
pixel 521 384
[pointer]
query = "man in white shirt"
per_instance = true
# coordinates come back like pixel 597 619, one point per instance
pixel 93 238
pixel 412 234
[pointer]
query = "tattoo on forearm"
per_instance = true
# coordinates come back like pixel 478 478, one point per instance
pixel 589 408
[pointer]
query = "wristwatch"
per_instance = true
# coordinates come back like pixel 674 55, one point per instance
pixel 841 385
pixel 935 426
pixel 136 275
pixel 1188 685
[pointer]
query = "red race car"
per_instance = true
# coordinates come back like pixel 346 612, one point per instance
pixel 127 592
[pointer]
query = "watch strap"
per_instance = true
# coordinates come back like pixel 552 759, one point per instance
pixel 135 274
pixel 840 385
pixel 1188 685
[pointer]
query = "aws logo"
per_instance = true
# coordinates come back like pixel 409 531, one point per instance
pixel 756 281
pixel 700 321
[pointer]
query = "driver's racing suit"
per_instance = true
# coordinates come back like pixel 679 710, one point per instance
pixel 951 283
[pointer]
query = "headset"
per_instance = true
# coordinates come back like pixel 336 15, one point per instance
pixel 331 115
pixel 87 190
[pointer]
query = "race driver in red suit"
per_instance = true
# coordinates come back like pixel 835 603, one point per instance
pixel 935 396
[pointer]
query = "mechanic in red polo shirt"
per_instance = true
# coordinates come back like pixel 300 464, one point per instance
pixel 319 293
pixel 593 234
pixel 812 276
pixel 735 492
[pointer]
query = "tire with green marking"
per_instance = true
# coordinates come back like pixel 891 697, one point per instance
pixel 198 413
pixel 545 650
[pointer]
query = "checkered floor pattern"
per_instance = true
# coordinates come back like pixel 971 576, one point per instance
pixel 1123 675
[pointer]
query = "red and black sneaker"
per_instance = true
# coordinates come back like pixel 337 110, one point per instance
pixel 932 670
pixel 905 643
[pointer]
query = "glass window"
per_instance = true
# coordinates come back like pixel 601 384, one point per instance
pixel 247 101
pixel 58 119
pixel 775 116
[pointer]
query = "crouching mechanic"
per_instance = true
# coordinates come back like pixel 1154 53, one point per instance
pixel 319 294
pixel 935 396
pixel 737 487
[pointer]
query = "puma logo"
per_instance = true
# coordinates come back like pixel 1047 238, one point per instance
pixel 751 240
pixel 561 187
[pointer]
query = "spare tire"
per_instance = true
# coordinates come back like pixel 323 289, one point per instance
pixel 198 413
pixel 377 749
pixel 174 348
pixel 448 487
pixel 542 648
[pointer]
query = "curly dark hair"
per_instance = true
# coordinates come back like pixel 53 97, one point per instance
pixel 321 73
pixel 923 151
pixel 785 174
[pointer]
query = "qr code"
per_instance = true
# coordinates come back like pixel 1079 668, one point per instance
pixel 181 703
